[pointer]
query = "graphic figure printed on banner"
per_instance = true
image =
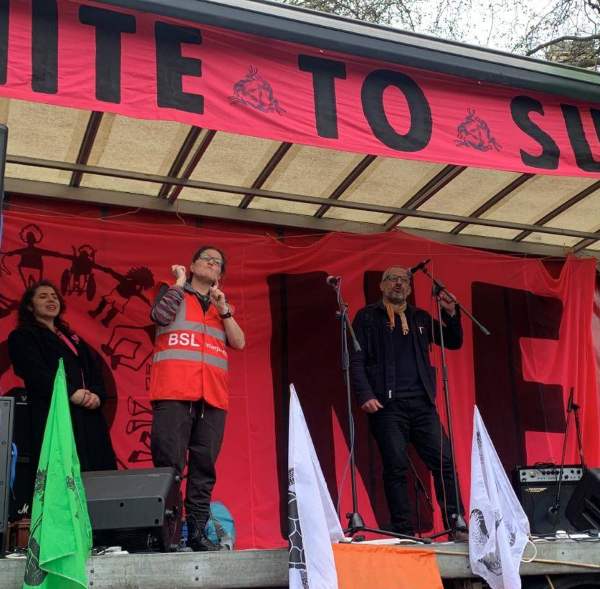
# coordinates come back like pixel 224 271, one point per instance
pixel 129 346
pixel 31 263
pixel 143 413
pixel 79 278
pixel 129 285
pixel 7 306
pixel 474 132
pixel 255 91
pixel 142 454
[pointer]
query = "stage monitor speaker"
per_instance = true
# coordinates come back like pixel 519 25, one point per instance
pixel 139 510
pixel 6 436
pixel 583 510
pixel 536 489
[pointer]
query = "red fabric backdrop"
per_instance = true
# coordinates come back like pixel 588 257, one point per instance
pixel 520 377
pixel 79 54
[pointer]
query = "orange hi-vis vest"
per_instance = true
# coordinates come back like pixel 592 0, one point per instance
pixel 190 357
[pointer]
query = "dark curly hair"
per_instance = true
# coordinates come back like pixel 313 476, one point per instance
pixel 26 318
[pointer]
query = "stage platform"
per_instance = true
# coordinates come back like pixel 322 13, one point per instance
pixel 268 568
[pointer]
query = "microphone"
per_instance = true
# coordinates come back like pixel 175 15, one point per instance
pixel 418 267
pixel 333 280
pixel 570 404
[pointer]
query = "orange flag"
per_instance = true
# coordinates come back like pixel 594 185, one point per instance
pixel 372 566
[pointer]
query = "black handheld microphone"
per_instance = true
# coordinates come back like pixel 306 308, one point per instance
pixel 418 267
pixel 553 515
pixel 333 280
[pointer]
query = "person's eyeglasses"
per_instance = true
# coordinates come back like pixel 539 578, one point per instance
pixel 396 278
pixel 207 258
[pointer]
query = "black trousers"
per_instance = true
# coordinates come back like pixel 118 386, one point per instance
pixel 189 432
pixel 413 420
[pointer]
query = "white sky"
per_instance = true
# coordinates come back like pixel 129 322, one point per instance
pixel 500 24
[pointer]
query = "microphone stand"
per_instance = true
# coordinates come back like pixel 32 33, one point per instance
pixel 356 523
pixel 571 408
pixel 419 490
pixel 437 289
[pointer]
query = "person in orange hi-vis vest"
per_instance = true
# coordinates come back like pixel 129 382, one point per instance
pixel 188 383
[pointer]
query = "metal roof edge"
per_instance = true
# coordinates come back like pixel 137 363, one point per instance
pixel 335 33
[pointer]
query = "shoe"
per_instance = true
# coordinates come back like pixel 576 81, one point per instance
pixel 197 540
pixel 404 531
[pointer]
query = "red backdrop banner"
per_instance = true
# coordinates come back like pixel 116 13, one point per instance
pixel 520 376
pixel 79 54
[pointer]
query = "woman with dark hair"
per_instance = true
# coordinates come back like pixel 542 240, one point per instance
pixel 35 347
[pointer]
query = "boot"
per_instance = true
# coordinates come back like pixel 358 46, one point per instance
pixel 198 541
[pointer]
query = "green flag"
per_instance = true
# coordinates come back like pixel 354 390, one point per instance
pixel 60 539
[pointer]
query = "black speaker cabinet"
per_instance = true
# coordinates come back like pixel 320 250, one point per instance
pixel 536 489
pixel 21 437
pixel 583 510
pixel 21 495
pixel 139 510
pixel 6 435
pixel 21 499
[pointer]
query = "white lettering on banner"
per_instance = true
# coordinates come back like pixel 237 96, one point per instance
pixel 183 339
pixel 215 348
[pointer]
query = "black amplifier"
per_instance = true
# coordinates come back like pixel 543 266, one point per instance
pixel 536 488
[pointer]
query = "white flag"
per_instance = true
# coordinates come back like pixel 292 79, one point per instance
pixel 312 521
pixel 499 528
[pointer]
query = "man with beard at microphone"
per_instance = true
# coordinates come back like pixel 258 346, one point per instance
pixel 395 383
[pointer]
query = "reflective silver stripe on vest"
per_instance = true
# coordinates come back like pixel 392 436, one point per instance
pixel 190 355
pixel 215 361
pixel 181 324
pixel 177 355
pixel 216 333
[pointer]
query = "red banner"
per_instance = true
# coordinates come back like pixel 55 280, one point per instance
pixel 520 376
pixel 81 55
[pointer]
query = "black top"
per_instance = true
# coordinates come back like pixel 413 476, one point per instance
pixel 373 369
pixel 34 353
pixel 408 381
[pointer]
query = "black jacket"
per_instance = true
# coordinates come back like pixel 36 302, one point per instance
pixel 373 369
pixel 34 353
